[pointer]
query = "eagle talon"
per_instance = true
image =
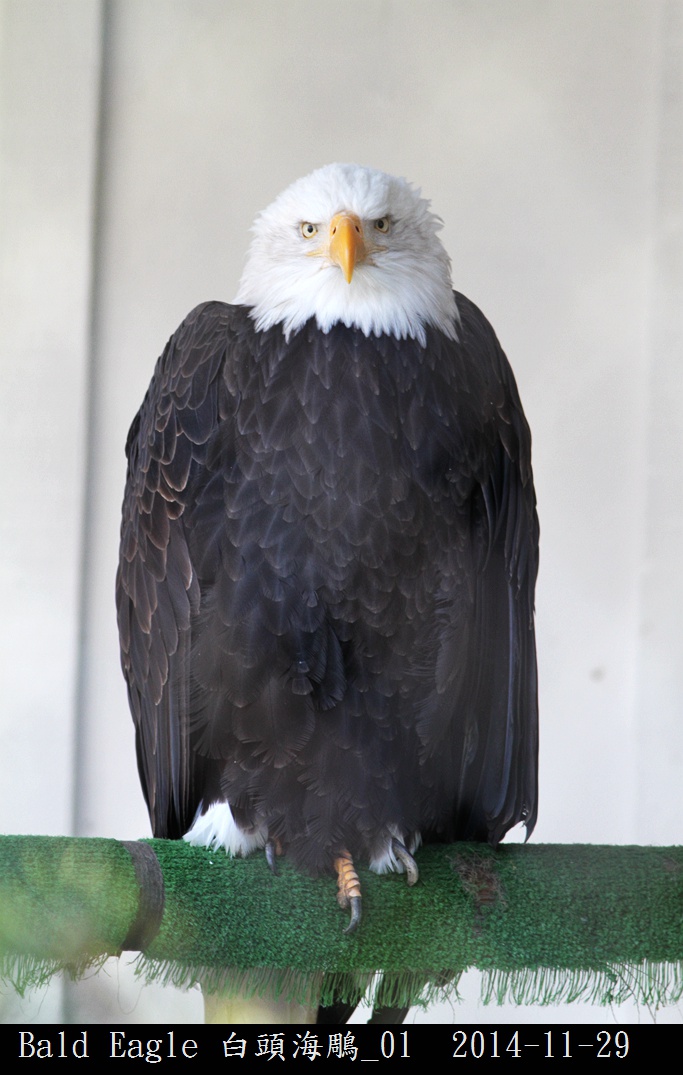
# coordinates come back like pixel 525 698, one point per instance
pixel 271 852
pixel 407 861
pixel 356 908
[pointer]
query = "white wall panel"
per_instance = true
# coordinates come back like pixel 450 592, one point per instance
pixel 49 78
pixel 548 136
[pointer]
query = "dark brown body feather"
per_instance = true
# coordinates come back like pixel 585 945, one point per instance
pixel 325 595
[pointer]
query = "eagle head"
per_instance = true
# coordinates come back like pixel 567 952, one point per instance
pixel 349 245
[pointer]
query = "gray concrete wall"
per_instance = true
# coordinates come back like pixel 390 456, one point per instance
pixel 138 140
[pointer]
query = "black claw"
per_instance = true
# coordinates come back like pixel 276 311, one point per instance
pixel 271 857
pixel 406 859
pixel 356 904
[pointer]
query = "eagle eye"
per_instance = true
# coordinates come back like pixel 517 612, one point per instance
pixel 382 224
pixel 308 230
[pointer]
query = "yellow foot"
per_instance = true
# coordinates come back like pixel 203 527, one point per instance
pixel 348 885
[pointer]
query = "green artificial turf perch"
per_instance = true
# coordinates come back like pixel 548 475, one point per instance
pixel 544 924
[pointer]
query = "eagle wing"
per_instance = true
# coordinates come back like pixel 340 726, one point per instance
pixel 486 680
pixel 157 589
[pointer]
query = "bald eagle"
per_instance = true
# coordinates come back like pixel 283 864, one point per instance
pixel 329 549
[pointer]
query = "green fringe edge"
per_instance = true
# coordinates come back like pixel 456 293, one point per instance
pixel 653 985
pixel 24 973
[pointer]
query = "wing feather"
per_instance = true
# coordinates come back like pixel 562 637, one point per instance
pixel 157 588
pixel 486 668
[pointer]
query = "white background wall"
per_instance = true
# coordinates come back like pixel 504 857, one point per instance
pixel 138 138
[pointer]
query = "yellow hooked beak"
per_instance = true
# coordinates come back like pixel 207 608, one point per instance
pixel 347 243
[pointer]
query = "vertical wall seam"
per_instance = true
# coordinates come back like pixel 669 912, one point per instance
pixel 91 403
